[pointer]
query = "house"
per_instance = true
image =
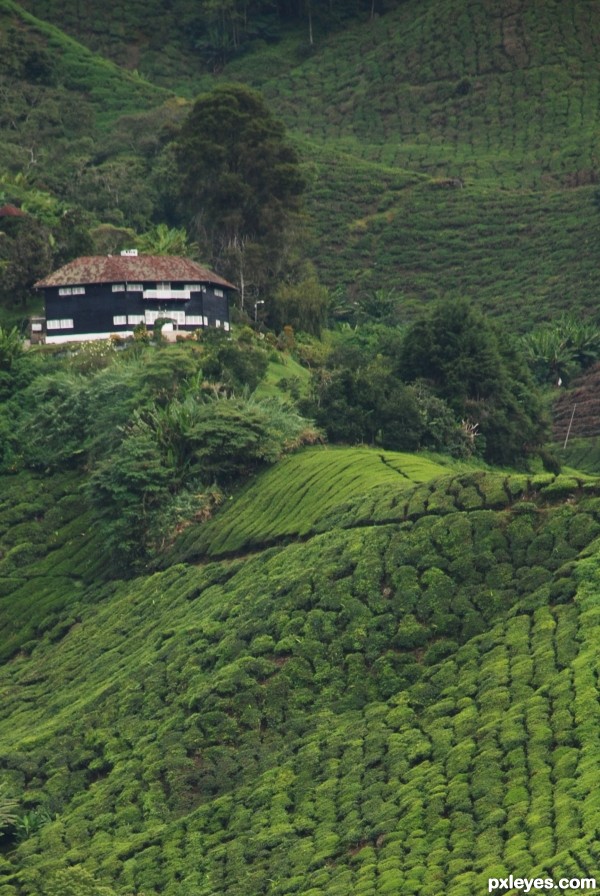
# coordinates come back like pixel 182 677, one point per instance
pixel 97 296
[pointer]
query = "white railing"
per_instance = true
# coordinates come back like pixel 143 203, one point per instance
pixel 167 294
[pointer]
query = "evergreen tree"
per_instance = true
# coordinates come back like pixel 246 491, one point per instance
pixel 240 181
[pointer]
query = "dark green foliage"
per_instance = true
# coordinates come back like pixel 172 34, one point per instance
pixel 482 378
pixel 157 437
pixel 359 395
pixel 240 179
pixel 25 256
pixel 237 366
pixel 559 351
pixel 125 489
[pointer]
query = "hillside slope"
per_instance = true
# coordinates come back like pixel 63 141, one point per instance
pixel 450 148
pixel 405 702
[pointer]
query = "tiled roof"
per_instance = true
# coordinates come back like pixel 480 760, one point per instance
pixel 11 211
pixel 131 269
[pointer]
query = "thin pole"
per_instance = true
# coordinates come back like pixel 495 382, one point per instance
pixel 569 429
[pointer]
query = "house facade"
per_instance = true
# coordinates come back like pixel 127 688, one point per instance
pixel 95 297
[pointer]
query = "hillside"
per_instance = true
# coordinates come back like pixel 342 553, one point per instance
pixel 272 722
pixel 233 664
pixel 449 151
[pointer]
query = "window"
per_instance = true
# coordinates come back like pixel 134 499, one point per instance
pixel 135 319
pixel 36 328
pixel 163 286
pixel 63 324
pixel 226 324
pixel 118 287
pixel 119 320
pixel 192 287
pixel 135 287
pixel 217 323
pixel 65 291
pixel 79 290
pixel 205 319
pixel 151 316
pixel 219 292
pixel 193 320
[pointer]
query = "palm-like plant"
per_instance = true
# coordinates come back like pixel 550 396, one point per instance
pixel 8 805
pixel 560 350
pixel 163 240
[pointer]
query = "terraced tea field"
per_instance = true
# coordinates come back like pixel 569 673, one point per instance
pixel 291 499
pixel 399 704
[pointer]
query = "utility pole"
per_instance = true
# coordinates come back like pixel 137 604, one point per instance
pixel 569 429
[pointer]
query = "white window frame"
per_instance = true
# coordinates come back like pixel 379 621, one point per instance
pixel 135 319
pixel 226 325
pixel 219 293
pixel 118 287
pixel 65 291
pixel 65 323
pixel 119 320
pixel 193 320
pixel 135 287
pixel 78 290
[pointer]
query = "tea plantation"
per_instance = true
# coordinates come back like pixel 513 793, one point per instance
pixel 386 685
pixel 449 149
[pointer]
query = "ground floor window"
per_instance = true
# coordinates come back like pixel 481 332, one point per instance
pixel 65 323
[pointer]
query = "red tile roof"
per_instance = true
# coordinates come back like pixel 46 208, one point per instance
pixel 131 269
pixel 11 211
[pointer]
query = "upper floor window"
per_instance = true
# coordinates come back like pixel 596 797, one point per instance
pixel 135 287
pixel 219 292
pixel 118 287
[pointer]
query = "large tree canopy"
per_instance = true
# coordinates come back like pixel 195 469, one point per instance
pixel 481 375
pixel 240 178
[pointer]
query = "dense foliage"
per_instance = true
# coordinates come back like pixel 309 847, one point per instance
pixel 240 184
pixel 449 382
pixel 480 374
pixel 286 719
pixel 159 429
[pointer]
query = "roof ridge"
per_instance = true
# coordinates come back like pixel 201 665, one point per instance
pixel 91 269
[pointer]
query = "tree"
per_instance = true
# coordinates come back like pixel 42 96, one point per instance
pixel 27 252
pixel 482 376
pixel 241 182
pixel 302 305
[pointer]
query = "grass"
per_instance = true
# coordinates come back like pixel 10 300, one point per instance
pixel 284 376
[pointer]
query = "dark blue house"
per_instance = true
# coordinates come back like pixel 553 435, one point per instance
pixel 97 296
